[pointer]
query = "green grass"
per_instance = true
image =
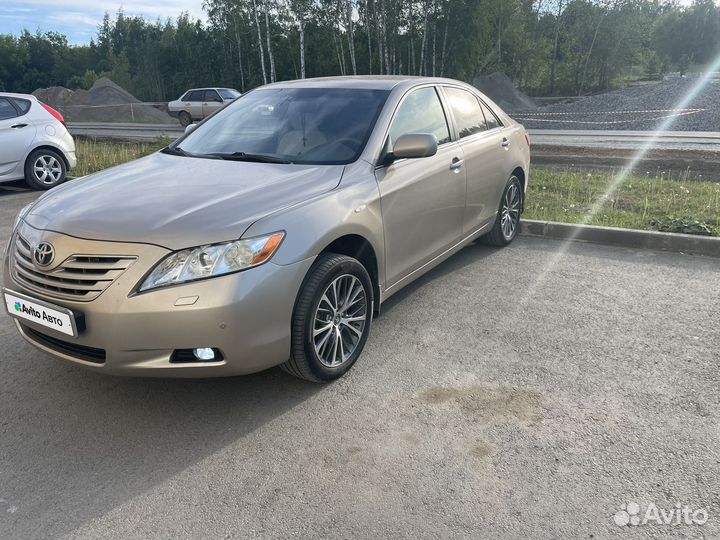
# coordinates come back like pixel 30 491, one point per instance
pixel 95 156
pixel 652 202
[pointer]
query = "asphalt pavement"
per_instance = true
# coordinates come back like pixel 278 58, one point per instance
pixel 521 392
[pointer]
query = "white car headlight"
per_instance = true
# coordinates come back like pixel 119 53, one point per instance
pixel 213 260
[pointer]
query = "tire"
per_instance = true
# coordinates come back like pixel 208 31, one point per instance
pixel 45 169
pixel 185 119
pixel 504 231
pixel 313 357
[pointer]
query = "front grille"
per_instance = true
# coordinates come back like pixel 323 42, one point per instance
pixel 82 352
pixel 79 277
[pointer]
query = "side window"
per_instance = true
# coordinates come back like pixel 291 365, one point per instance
pixel 6 109
pixel 22 104
pixel 212 95
pixel 492 120
pixel 195 95
pixel 467 112
pixel 420 112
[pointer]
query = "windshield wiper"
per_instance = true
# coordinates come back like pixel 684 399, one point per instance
pixel 242 156
pixel 177 151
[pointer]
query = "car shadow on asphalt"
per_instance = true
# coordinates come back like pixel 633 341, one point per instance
pixel 470 254
pixel 13 188
pixel 78 444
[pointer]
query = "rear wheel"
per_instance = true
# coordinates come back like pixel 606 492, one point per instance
pixel 331 320
pixel 185 119
pixel 44 169
pixel 507 221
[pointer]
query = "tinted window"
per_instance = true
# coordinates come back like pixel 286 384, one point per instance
pixel 466 109
pixel 228 93
pixel 490 117
pixel 22 104
pixel 420 112
pixel 6 109
pixel 303 125
pixel 211 95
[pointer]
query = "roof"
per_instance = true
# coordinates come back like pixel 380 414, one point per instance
pixel 367 82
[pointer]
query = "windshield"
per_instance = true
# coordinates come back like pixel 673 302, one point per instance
pixel 321 126
pixel 228 93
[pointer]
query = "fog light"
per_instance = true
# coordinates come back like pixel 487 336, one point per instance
pixel 204 354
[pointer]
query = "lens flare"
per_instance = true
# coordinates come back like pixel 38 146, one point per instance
pixel 623 174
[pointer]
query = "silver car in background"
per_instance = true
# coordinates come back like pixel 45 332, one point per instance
pixel 199 103
pixel 271 233
pixel 34 142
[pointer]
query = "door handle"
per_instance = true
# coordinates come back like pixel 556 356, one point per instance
pixel 456 164
pixel 505 142
pixel 18 126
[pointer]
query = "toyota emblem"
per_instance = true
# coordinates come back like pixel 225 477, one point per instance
pixel 44 254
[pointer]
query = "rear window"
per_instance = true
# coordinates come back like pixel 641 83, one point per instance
pixel 227 93
pixel 22 104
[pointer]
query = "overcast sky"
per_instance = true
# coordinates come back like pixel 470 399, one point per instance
pixel 78 19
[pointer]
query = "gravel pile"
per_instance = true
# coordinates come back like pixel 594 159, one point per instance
pixel 503 91
pixel 104 102
pixel 642 107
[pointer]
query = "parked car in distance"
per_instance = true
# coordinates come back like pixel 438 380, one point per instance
pixel 271 233
pixel 34 142
pixel 197 103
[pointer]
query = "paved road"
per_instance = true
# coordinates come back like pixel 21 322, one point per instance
pixel 509 393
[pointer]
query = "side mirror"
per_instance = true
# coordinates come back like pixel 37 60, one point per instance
pixel 413 145
pixel 189 128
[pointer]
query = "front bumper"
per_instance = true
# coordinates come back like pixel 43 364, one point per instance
pixel 247 316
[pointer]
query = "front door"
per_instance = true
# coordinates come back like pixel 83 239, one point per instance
pixel 423 199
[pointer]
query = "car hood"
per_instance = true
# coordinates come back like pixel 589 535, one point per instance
pixel 176 201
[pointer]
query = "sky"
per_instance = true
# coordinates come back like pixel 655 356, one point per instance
pixel 78 19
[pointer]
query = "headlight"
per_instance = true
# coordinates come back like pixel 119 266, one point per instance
pixel 213 260
pixel 21 214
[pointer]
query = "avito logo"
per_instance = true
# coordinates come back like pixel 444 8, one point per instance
pixel 18 306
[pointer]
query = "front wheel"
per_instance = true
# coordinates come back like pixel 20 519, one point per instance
pixel 185 119
pixel 507 222
pixel 331 320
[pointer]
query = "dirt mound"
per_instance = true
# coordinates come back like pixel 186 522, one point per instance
pixel 104 102
pixel 502 91
pixel 670 104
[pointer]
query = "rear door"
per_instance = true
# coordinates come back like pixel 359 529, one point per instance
pixel 16 135
pixel 422 199
pixel 482 146
pixel 211 103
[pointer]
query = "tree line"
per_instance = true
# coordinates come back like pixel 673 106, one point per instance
pixel 548 47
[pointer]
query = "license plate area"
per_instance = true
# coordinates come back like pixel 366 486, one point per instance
pixel 44 314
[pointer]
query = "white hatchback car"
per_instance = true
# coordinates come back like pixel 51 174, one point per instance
pixel 34 142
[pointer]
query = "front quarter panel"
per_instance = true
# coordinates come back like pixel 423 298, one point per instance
pixel 352 208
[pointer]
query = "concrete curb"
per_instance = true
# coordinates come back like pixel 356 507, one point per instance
pixel 614 236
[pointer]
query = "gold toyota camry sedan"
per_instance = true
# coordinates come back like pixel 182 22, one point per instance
pixel 270 233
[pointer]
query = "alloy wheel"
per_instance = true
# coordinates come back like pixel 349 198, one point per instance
pixel 340 320
pixel 47 170
pixel 510 215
